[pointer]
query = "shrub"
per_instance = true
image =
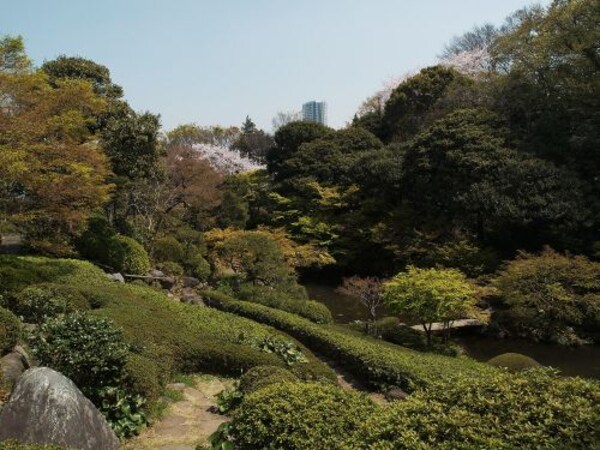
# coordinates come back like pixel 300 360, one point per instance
pixel 10 330
pixel 373 361
pixel 514 362
pixel 261 376
pixel 535 409
pixel 129 256
pixel 123 411
pixel 95 242
pixel 298 416
pixel 199 267
pixel 168 249
pixel 38 302
pixel 264 295
pixel 171 268
pixel 551 297
pixel 89 350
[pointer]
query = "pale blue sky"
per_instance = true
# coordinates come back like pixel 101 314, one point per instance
pixel 213 62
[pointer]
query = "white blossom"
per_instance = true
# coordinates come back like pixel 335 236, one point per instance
pixel 226 160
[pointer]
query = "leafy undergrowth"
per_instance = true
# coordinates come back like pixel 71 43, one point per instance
pixel 165 337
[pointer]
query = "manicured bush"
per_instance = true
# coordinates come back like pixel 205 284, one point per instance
pixel 298 416
pixel 536 409
pixel 168 249
pixel 171 268
pixel 89 350
pixel 129 256
pixel 95 242
pixel 514 362
pixel 373 361
pixel 39 302
pixel 551 297
pixel 261 376
pixel 199 267
pixel 10 330
pixel 272 297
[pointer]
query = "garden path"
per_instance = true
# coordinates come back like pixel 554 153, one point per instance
pixel 187 422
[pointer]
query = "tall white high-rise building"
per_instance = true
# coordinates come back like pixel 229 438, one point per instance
pixel 315 112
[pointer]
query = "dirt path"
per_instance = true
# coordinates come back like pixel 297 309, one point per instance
pixel 187 422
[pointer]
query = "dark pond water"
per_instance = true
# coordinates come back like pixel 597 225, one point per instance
pixel 583 361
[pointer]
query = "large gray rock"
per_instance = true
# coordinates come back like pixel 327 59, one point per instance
pixel 45 407
pixel 190 282
pixel 116 277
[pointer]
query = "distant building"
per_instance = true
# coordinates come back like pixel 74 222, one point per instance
pixel 315 112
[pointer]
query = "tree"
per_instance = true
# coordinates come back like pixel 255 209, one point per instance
pixel 249 126
pixel 288 140
pixel 249 257
pixel 98 75
pixel 53 174
pixel 461 168
pixel 253 143
pixel 283 118
pixel 368 290
pixel 431 295
pixel 551 297
pixel 406 111
pixel 13 58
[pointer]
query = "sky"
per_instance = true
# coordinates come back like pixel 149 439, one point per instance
pixel 213 62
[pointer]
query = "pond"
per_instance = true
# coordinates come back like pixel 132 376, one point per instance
pixel 583 361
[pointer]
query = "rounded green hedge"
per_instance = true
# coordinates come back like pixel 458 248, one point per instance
pixel 514 362
pixel 39 302
pixel 298 416
pixel 128 255
pixel 262 376
pixel 199 267
pixel 168 249
pixel 10 330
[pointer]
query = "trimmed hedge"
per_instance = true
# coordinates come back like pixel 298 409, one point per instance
pixel 263 295
pixel 165 336
pixel 262 376
pixel 10 330
pixel 39 302
pixel 128 255
pixel 168 249
pixel 533 410
pixel 298 416
pixel 514 362
pixel 377 363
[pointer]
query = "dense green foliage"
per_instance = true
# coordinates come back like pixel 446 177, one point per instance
pixel 127 255
pixel 10 330
pixel 431 295
pixel 534 410
pixel 164 337
pixel 39 302
pixel 298 416
pixel 261 376
pixel 375 362
pixel 315 311
pixel 551 297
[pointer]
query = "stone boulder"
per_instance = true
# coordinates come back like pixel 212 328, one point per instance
pixel 396 394
pixel 190 282
pixel 11 368
pixel 45 407
pixel 116 277
pixel 155 273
